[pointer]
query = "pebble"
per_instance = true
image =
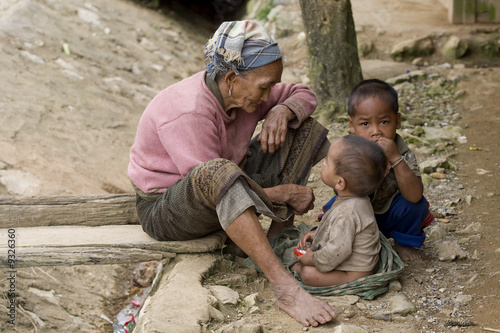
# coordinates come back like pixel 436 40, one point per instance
pixel 438 175
pixel 401 305
pixel 395 286
pixel 225 295
pixel 449 251
pixel 32 57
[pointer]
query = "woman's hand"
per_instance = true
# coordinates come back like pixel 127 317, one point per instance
pixel 274 128
pixel 300 198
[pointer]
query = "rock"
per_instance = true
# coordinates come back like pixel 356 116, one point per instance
pixel 361 306
pixel 455 48
pixel 245 325
pixel 419 61
pixel 284 22
pixel 436 233
pixel 406 77
pixel 473 278
pixel 444 133
pixel 32 57
pixel 460 322
pixel 438 175
pixel 216 314
pixel 19 182
pixel 481 172
pixel 349 329
pixel 380 315
pixel 429 166
pixel 462 299
pixel 426 179
pixel 449 251
pixel 365 46
pixel 400 305
pixel 342 300
pixel 88 16
pixel 254 310
pixel 148 45
pixel 473 227
pixel 395 286
pixel 349 313
pixel 224 294
pixel 459 93
pixel 474 238
pixel 412 48
pixel 405 88
pixel 251 300
pixel 233 280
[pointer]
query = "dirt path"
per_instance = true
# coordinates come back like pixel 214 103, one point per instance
pixel 481 120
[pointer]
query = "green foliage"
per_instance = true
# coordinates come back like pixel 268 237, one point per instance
pixel 222 249
pixel 487 8
pixel 490 48
pixel 263 12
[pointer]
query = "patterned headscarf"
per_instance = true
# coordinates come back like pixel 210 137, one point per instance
pixel 240 45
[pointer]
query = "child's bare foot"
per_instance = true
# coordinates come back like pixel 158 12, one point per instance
pixel 297 267
pixel 278 226
pixel 407 253
pixel 302 306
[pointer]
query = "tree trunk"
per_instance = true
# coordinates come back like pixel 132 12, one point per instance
pixel 333 53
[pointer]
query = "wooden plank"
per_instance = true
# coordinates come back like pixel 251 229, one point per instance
pixel 68 210
pixel 51 256
pixel 75 245
pixel 115 236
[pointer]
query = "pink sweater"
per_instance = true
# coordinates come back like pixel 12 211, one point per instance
pixel 185 125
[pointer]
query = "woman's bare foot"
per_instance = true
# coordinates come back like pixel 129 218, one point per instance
pixel 302 306
pixel 407 253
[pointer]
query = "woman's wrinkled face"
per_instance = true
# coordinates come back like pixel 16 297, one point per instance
pixel 374 118
pixel 251 89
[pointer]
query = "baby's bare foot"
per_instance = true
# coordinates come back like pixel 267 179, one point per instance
pixel 302 306
pixel 407 253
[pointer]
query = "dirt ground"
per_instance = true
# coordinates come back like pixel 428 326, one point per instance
pixel 481 115
pixel 77 76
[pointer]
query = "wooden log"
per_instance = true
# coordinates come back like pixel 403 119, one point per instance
pixel 51 256
pixel 68 210
pixel 83 244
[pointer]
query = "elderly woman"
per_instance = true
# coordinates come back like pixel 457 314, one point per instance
pixel 196 169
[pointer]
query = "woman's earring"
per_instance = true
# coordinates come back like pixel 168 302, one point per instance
pixel 229 93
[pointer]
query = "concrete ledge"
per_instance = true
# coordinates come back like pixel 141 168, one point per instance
pixel 179 303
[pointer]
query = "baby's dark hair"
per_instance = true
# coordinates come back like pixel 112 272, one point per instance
pixel 362 165
pixel 371 88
